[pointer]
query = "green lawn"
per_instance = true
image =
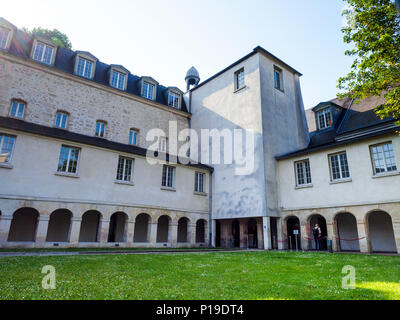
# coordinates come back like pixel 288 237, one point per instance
pixel 242 275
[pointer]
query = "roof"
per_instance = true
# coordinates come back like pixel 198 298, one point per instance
pixel 256 50
pixel 21 46
pixel 353 125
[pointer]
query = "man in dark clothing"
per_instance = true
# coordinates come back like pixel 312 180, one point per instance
pixel 317 237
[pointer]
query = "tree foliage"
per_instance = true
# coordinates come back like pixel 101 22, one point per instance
pixel 373 30
pixel 60 39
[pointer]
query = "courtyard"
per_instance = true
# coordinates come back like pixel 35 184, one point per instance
pixel 214 276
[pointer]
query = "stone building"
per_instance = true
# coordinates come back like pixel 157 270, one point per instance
pixel 74 169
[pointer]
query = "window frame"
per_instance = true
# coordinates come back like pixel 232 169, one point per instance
pixel 125 160
pixel 278 71
pixel 8 39
pixel 136 131
pixel 104 123
pixel 86 62
pixel 306 183
pixel 64 113
pixel 386 172
pixel 148 84
pixel 236 79
pixel 340 164
pixel 165 181
pixel 45 44
pixel 19 104
pixel 197 184
pixel 8 161
pixel 68 161
pixel 325 111
pixel 120 72
pixel 177 95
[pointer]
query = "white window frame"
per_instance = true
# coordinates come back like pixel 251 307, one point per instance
pixel 240 82
pixel 385 158
pixel 163 144
pixel 4 42
pixel 19 104
pixel 133 132
pixel 103 126
pixel 70 149
pixel 199 182
pixel 8 159
pixel 307 178
pixel 343 165
pixel 176 102
pixel 118 79
pixel 86 64
pixel 63 116
pixel 278 78
pixel 324 113
pixel 41 59
pixel 169 180
pixel 146 90
pixel 124 173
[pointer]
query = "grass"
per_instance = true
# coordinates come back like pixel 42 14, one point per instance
pixel 241 275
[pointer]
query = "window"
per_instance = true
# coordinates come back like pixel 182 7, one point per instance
pixel 100 129
pixel 17 109
pixel 174 100
pixel 239 79
pixel 324 119
pixel 84 68
pixel 124 170
pixel 383 158
pixel 199 182
pixel 61 120
pixel 43 53
pixel 303 173
pixel 133 137
pixel 4 34
pixel 148 90
pixel 278 78
pixel 6 148
pixel 163 144
pixel 168 177
pixel 339 166
pixel 118 80
pixel 68 162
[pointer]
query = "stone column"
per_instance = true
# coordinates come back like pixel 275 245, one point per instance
pixel 192 228
pixel 332 236
pixel 5 224
pixel 174 234
pixel 75 230
pixel 153 234
pixel 206 234
pixel 267 233
pixel 213 233
pixel 281 237
pixel 243 234
pixel 361 228
pixel 130 231
pixel 104 230
pixel 260 236
pixel 41 231
pixel 303 237
pixel 396 229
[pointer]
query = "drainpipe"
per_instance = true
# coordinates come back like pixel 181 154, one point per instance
pixel 210 223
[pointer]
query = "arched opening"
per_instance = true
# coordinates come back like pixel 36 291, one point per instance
pixel 117 231
pixel 235 234
pixel 90 227
pixel 252 234
pixel 141 234
pixel 201 231
pixel 346 226
pixel 23 225
pixel 59 226
pixel 380 232
pixel 183 230
pixel 294 233
pixel 218 234
pixel 318 242
pixel 163 229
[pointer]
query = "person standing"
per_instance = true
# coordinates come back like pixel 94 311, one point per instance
pixel 317 237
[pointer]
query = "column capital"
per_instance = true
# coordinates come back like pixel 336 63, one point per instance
pixel 44 217
pixel 174 224
pixel 105 220
pixel 6 217
pixel 76 219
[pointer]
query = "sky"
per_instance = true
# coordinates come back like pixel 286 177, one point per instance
pixel 164 38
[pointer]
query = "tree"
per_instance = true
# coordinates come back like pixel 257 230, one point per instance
pixel 60 39
pixel 373 28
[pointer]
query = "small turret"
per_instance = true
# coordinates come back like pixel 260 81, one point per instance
pixel 192 78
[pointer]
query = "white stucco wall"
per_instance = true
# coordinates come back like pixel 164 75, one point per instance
pixel 35 159
pixel 363 188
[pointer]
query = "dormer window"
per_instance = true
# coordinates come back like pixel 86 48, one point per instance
pixel 43 52
pixel 84 68
pixel 148 90
pixel 174 100
pixel 118 80
pixel 324 119
pixel 4 36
